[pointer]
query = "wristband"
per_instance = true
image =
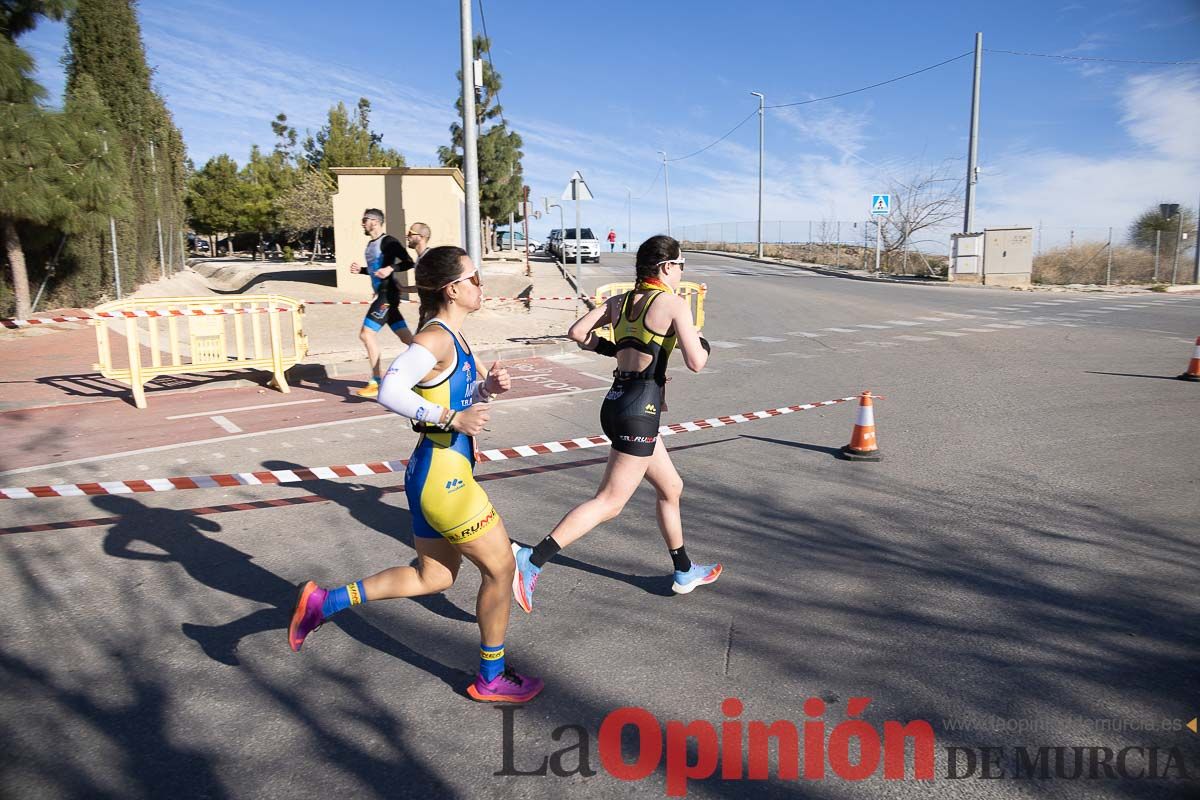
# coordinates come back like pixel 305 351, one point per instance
pixel 605 348
pixel 707 347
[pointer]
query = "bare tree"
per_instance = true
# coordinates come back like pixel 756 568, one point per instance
pixel 930 200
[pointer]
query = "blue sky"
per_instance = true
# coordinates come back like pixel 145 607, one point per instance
pixel 602 87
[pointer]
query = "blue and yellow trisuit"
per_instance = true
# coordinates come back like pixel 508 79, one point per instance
pixel 443 497
pixel 630 413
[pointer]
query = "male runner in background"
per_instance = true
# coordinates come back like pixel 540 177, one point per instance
pixel 384 256
pixel 418 238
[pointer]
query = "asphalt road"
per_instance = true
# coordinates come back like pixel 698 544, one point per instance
pixel 1023 560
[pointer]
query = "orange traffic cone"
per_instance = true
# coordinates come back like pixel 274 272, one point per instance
pixel 1193 370
pixel 863 446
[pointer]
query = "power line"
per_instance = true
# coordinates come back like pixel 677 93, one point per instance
pixel 874 85
pixel 819 99
pixel 653 183
pixel 718 141
pixel 1095 58
pixel 491 63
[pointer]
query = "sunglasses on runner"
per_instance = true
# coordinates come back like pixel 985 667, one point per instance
pixel 473 278
pixel 680 261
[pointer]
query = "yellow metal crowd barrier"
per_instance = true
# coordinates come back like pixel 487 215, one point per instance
pixel 261 332
pixel 694 292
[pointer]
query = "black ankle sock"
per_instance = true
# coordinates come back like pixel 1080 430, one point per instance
pixel 680 557
pixel 543 551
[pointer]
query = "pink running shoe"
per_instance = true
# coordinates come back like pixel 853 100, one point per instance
pixel 308 615
pixel 507 687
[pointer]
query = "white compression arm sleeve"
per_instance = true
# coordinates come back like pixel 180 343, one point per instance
pixel 396 392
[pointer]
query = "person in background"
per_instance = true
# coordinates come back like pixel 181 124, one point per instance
pixel 385 257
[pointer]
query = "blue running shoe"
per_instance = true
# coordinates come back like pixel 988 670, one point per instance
pixel 698 575
pixel 525 578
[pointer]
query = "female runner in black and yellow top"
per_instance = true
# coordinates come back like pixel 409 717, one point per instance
pixel 437 384
pixel 648 323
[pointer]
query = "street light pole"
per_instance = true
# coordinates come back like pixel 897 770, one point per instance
pixel 629 212
pixel 761 101
pixel 667 185
pixel 470 134
pixel 973 147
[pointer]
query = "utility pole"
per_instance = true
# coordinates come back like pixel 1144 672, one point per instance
pixel 162 265
pixel 973 147
pixel 667 185
pixel 761 101
pixel 112 232
pixel 1196 256
pixel 1178 243
pixel 629 213
pixel 470 133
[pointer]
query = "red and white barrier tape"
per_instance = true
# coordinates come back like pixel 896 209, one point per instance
pixel 206 311
pixel 368 302
pixel 146 312
pixel 374 468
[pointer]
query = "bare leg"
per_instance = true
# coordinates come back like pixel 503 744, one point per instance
pixel 367 337
pixel 621 478
pixel 669 486
pixel 492 553
pixel 437 567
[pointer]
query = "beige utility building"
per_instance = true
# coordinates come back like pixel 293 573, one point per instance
pixel 433 195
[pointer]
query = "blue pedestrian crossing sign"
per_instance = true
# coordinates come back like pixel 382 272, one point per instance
pixel 881 205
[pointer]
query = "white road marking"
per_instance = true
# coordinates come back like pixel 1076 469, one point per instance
pixel 840 330
pixel 903 322
pixel 769 339
pixel 747 361
pixel 245 408
pixel 725 345
pixel 1002 325
pixel 224 423
pixel 946 333
pixel 874 327
pixel 979 330
pixel 805 334
pixel 915 338
pixel 934 319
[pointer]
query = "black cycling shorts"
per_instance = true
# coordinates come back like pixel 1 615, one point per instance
pixel 630 413
pixel 385 309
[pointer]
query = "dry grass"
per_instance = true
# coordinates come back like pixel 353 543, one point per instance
pixel 846 256
pixel 1087 262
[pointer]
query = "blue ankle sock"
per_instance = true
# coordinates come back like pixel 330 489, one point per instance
pixel 352 594
pixel 491 661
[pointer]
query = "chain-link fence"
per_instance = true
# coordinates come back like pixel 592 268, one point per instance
pixel 1062 255
pixel 848 244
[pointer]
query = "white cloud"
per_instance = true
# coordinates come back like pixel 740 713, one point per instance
pixel 1162 111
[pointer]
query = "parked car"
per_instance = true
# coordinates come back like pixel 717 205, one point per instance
pixel 518 239
pixel 552 242
pixel 588 244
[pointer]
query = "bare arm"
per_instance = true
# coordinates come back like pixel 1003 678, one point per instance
pixel 695 354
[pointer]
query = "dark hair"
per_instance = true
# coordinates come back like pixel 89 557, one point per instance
pixel 376 213
pixel 438 267
pixel 654 251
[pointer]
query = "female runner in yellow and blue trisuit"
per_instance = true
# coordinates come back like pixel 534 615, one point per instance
pixel 437 384
pixel 648 323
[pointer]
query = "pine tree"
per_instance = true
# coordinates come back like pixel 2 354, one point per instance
pixel 216 198
pixel 347 141
pixel 30 177
pixel 498 149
